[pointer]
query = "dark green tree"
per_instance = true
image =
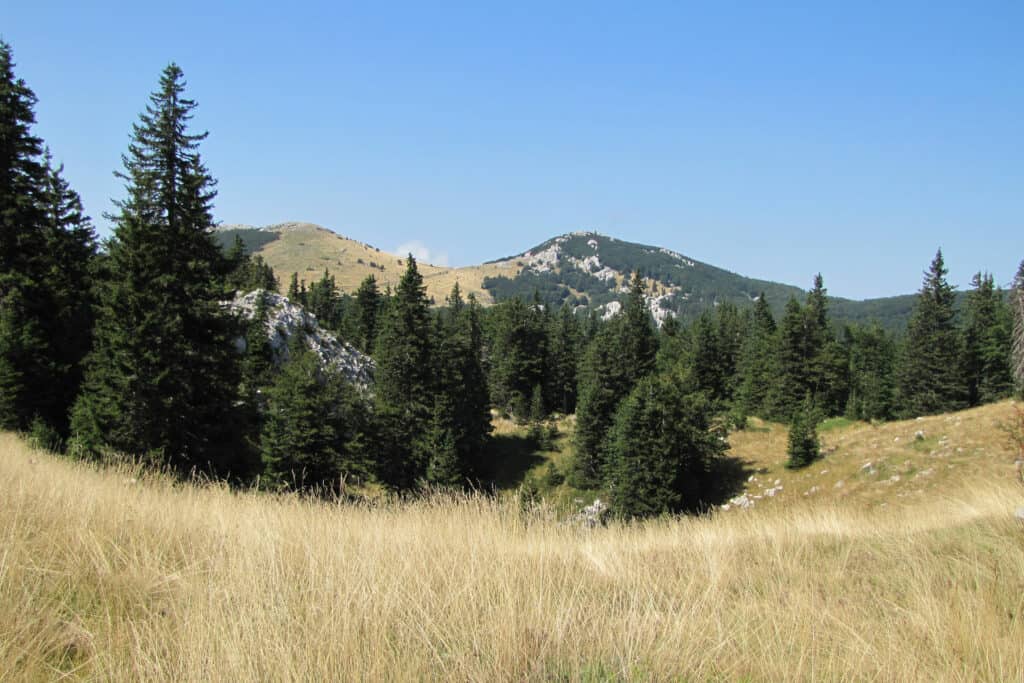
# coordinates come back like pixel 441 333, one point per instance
pixel 872 374
pixel 564 348
pixel 248 272
pixel 297 293
pixel 803 448
pixel 639 342
pixel 756 367
pixel 70 248
pixel 446 467
pixel 623 352
pixel 929 375
pixel 405 386
pixel 28 368
pixel 162 378
pixel 461 385
pixel 709 362
pixel 518 354
pixel 312 435
pixel 660 449
pixel 324 301
pixel 986 337
pixel 794 375
pixel 367 311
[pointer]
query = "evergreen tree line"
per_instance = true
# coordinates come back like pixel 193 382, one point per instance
pixel 129 348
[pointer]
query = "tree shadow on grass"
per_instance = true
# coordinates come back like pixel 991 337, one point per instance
pixel 725 479
pixel 506 461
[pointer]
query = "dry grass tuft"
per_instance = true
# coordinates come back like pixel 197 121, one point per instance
pixel 111 574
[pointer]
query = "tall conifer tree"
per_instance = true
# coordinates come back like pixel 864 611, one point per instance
pixel 930 379
pixel 163 376
pixel 756 365
pixel 986 342
pixel 27 372
pixel 405 384
pixel 368 305
pixel 660 449
pixel 623 352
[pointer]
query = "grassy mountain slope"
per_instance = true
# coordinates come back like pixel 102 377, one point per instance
pixel 308 249
pixel 113 574
pixel 864 465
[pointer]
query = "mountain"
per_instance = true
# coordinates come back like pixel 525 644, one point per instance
pixel 583 269
pixel 309 249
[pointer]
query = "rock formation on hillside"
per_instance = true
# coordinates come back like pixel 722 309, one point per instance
pixel 285 319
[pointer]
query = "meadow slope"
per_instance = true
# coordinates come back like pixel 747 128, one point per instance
pixel 113 574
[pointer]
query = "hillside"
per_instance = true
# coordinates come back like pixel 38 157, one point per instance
pixel 864 465
pixel 114 574
pixel 308 249
pixel 583 269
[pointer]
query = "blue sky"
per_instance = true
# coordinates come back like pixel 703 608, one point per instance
pixel 851 138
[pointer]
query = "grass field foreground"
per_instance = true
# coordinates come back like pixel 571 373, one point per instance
pixel 113 574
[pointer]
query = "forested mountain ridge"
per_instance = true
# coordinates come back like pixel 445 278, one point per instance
pixel 585 268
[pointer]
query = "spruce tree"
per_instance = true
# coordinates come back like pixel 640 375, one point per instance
pixel 709 365
pixel 71 248
pixel 461 386
pixel 368 306
pixel 929 376
pixel 295 295
pixel 872 378
pixel 313 428
pixel 405 386
pixel 564 344
pixel 986 342
pixel 638 340
pixel 660 449
pixel 248 272
pixel 794 374
pixel 519 354
pixel 803 448
pixel 756 366
pixel 27 366
pixel 446 467
pixel 623 352
pixel 324 301
pixel 162 377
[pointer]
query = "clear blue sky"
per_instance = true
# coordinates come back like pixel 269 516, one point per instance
pixel 851 139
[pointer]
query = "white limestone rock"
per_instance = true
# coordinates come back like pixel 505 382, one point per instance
pixel 285 319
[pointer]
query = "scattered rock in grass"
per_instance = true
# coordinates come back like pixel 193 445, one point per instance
pixel 811 491
pixel 839 484
pixel 742 501
pixel 593 514
pixel 919 435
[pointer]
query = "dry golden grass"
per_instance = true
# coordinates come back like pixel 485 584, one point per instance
pixel 109 574
pixel 307 249
pixel 884 465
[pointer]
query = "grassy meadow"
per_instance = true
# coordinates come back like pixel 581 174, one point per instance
pixel 111 573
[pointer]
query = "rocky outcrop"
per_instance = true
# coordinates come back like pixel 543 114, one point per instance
pixel 285 319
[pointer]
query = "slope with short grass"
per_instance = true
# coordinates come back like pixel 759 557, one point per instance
pixel 112 574
pixel 309 249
